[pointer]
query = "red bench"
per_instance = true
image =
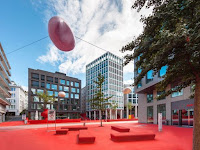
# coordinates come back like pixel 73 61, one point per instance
pixel 75 128
pixel 85 137
pixel 62 131
pixel 120 129
pixel 120 137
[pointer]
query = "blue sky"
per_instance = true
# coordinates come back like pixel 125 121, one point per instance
pixel 107 24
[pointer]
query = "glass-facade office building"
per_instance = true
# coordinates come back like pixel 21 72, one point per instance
pixel 4 84
pixel 40 81
pixel 176 108
pixel 110 66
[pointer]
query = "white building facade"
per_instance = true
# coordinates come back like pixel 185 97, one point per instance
pixel 18 100
pixel 110 66
pixel 131 98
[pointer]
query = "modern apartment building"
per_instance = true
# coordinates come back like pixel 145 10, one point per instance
pixel 110 66
pixel 176 109
pixel 83 99
pixel 18 100
pixel 132 99
pixel 53 83
pixel 4 83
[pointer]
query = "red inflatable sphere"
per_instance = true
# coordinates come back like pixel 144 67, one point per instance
pixel 60 34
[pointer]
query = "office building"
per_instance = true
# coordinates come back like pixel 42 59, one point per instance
pixel 130 99
pixel 83 99
pixel 4 83
pixel 110 66
pixel 176 108
pixel 53 83
pixel 18 100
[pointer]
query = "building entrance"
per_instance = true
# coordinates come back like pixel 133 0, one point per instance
pixel 182 117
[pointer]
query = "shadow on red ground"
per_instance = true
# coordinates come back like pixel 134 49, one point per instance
pixel 171 138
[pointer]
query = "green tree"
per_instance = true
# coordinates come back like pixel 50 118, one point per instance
pixel 171 37
pixel 99 102
pixel 130 106
pixel 46 98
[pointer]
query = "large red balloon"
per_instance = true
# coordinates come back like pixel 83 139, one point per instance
pixel 60 34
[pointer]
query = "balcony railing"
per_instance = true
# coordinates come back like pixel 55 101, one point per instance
pixel 4 70
pixel 5 62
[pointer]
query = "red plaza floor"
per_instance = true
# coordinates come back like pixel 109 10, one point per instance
pixel 171 138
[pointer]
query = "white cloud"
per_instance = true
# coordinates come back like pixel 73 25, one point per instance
pixel 107 24
pixel 129 82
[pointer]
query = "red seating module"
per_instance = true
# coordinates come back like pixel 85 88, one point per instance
pixel 62 131
pixel 75 128
pixel 132 136
pixel 120 129
pixel 85 137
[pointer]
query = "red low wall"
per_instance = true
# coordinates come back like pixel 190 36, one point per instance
pixel 121 120
pixel 57 121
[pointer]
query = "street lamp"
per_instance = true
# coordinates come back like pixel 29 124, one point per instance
pixel 126 91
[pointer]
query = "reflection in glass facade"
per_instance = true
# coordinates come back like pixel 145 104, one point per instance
pixel 149 98
pixel 149 114
pixel 110 66
pixel 162 71
pixel 149 76
pixel 162 109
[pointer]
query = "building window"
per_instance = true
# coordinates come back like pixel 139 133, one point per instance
pixel 76 84
pixel 149 98
pixel 162 109
pixel 35 76
pixel 35 83
pixel 43 77
pixel 56 80
pixel 178 93
pixel 42 84
pixel 62 81
pixel 77 90
pixel 66 95
pixel 40 91
pixel 162 71
pixel 76 96
pixel 72 83
pixel 72 95
pixel 56 94
pixel 66 88
pixel 54 87
pixel 175 94
pixel 149 114
pixel 149 76
pixel 33 91
pixel 12 89
pixel 35 99
pixel 60 88
pixel 48 85
pixel 139 85
pixel 50 79
pixel 67 82
pixel 73 90
pixel 50 93
pixel 160 93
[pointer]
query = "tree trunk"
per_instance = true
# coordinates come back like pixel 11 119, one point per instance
pixel 196 128
pixel 100 115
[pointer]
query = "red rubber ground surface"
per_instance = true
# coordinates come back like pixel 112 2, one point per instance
pixel 171 138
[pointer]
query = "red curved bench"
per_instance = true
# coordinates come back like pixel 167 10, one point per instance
pixel 75 128
pixel 119 137
pixel 85 137
pixel 120 129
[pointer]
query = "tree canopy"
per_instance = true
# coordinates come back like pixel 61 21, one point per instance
pixel 171 37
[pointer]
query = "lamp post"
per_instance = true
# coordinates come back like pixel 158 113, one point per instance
pixel 126 91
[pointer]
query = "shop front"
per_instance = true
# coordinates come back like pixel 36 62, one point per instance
pixel 183 112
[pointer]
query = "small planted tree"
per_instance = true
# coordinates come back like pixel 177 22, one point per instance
pixel 130 106
pixel 99 102
pixel 46 98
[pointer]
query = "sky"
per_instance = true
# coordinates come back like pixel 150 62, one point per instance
pixel 109 24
